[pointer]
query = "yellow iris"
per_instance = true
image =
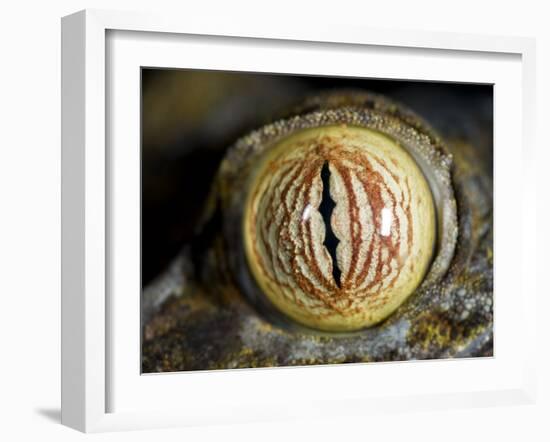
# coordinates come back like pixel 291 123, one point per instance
pixel 339 226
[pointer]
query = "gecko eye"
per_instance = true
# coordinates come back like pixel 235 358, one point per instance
pixel 340 227
pixel 341 223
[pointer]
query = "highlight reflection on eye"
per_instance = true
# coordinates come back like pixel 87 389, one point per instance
pixel 340 227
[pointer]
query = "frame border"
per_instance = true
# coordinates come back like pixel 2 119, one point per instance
pixel 84 199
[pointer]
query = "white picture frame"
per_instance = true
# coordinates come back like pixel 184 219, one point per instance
pixel 93 366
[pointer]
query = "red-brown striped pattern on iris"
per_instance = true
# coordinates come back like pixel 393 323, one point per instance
pixel 339 227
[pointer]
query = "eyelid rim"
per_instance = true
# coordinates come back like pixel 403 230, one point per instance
pixel 363 110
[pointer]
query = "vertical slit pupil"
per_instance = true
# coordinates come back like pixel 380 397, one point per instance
pixel 325 208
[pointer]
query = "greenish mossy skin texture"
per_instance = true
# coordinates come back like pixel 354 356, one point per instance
pixel 206 322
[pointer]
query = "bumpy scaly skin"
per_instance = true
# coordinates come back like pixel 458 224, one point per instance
pixel 213 325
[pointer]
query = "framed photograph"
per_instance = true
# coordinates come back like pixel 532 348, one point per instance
pixel 267 222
